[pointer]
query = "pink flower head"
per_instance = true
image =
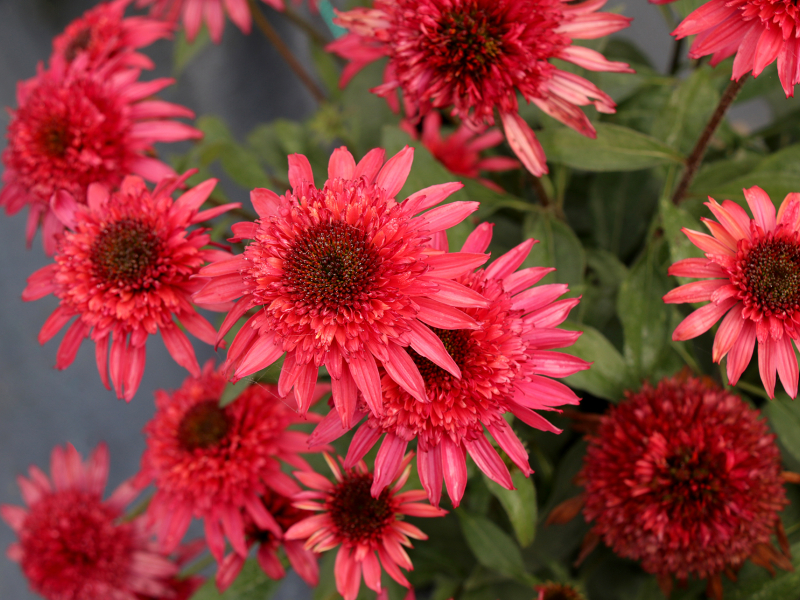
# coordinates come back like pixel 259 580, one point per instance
pixel 303 561
pixel 344 276
pixel 103 34
pixel 685 478
pixel 73 544
pixel 475 55
pixel 754 270
pixel 460 151
pixel 369 530
pixel 75 127
pixel 757 31
pixel 219 463
pixel 505 365
pixel 125 269
pixel 194 12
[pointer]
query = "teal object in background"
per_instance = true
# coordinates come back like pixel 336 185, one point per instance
pixel 326 10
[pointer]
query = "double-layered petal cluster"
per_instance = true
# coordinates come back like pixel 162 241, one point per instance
pixel 220 463
pixel 344 276
pixel 103 34
pixel 505 365
pixel 754 270
pixel 126 269
pixel 685 478
pixel 757 31
pixel 460 151
pixel 474 56
pixel 74 127
pixel 73 544
pixel 369 530
pixel 194 12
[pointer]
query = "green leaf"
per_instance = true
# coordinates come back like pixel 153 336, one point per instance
pixel 674 219
pixel 616 148
pixel 251 584
pixel 784 416
pixel 185 50
pixel 519 504
pixel 232 391
pixel 492 546
pixel 609 376
pixel 755 583
pixel 558 247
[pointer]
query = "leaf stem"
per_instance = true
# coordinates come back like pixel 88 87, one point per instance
pixel 305 25
pixel 269 32
pixel 696 157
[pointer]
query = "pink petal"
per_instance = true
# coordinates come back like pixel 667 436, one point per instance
pixel 443 316
pixel 538 297
pixel 445 217
pixel 454 468
pixel 387 462
pixel 429 466
pixel 786 362
pixel 761 206
pixel 260 355
pixel 489 461
pixel 427 344
pixel 180 348
pixel 394 173
pixel 457 294
pixel 70 344
pixel 363 441
pixel 728 333
pixel 708 244
pixel 510 261
pixel 696 267
pixel 698 291
pixel 365 373
pixel 766 365
pixel 453 264
pixel 404 371
pixel 369 166
pixel 341 164
pixel 524 143
pixel 479 239
pixel 701 320
pixel 507 440
pixel 430 196
pixel 741 352
pixel 299 171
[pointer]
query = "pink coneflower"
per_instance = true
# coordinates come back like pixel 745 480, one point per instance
pixel 302 560
pixel 755 269
pixel 757 31
pixel 368 529
pixel 344 276
pixel 217 463
pixel 475 55
pixel 685 478
pixel 126 269
pixel 505 365
pixel 103 34
pixel 460 151
pixel 74 545
pixel 194 12
pixel 75 127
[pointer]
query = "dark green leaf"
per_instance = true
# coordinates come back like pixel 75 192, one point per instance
pixel 492 546
pixel 755 583
pixel 558 247
pixel 243 167
pixel 784 416
pixel 519 504
pixel 674 219
pixel 184 50
pixel 251 584
pixel 232 391
pixel 609 377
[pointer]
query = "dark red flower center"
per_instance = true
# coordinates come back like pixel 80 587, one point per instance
pixel 331 265
pixel 203 426
pixel 79 42
pixel 456 342
pixel 54 137
pixel 125 252
pixel 692 478
pixel 358 516
pixel 558 591
pixel 771 275
pixel 71 543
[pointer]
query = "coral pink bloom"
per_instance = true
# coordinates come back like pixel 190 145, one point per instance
pixel 104 34
pixel 687 479
pixel 344 275
pixel 475 55
pixel 75 127
pixel 73 544
pixel 303 561
pixel 368 529
pixel 754 266
pixel 505 366
pixel 757 31
pixel 194 12
pixel 125 269
pixel 460 151
pixel 217 463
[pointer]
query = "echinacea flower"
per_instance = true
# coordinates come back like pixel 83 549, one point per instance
pixel 757 31
pixel 103 34
pixel 460 151
pixel 344 276
pixel 217 463
pixel 74 127
pixel 126 269
pixel 369 530
pixel 685 478
pixel 302 560
pixel 474 56
pixel 505 364
pixel 754 266
pixel 557 591
pixel 74 545
pixel 194 12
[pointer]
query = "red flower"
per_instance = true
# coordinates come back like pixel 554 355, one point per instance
pixel 755 269
pixel 368 529
pixel 475 55
pixel 126 269
pixel 505 364
pixel 757 31
pixel 75 127
pixel 342 276
pixel 557 591
pixel 73 544
pixel 218 463
pixel 685 478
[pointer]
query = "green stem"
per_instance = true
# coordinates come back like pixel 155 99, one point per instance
pixel 196 567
